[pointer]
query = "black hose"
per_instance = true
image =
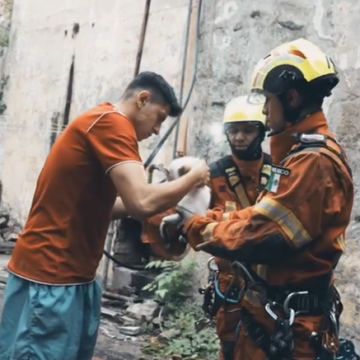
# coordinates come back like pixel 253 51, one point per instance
pixel 175 122
pixel 117 262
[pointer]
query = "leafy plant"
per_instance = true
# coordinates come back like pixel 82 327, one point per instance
pixel 178 335
pixel 174 283
pixel 3 82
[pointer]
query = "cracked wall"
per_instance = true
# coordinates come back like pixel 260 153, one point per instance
pixel 101 39
pixel 95 45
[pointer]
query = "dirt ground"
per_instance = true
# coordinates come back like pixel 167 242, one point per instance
pixel 108 348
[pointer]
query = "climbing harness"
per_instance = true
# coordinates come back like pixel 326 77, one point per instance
pixel 280 344
pixel 208 305
pixel 213 298
pixel 227 168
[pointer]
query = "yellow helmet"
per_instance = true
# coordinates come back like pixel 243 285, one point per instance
pixel 240 110
pixel 298 60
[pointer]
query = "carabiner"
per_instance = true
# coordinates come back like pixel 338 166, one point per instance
pixel 211 269
pixel 269 310
pixel 289 297
pixel 244 269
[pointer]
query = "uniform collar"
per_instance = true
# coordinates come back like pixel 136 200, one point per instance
pixel 282 143
pixel 249 168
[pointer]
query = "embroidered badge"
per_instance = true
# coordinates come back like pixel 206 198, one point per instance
pixel 276 173
pixel 222 188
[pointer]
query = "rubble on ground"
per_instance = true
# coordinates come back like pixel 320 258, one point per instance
pixel 10 229
pixel 125 320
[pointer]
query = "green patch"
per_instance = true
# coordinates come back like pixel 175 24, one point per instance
pixel 277 172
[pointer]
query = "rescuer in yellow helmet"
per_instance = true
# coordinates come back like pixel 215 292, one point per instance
pixel 235 182
pixel 291 240
pixel 244 126
pixel 293 79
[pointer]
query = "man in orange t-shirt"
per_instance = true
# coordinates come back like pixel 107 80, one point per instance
pixel 52 302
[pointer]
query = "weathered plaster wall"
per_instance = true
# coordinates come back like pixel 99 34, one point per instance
pixel 101 37
pixel 234 35
pixel 5 22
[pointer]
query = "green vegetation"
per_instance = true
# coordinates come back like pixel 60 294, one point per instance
pixel 175 333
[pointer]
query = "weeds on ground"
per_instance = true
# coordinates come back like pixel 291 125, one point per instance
pixel 3 82
pixel 175 332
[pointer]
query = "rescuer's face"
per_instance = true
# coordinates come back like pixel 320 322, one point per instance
pixel 274 112
pixel 241 135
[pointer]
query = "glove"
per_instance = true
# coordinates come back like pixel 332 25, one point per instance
pixel 185 213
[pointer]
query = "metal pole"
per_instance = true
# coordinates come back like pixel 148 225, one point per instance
pixel 142 37
pixel 195 65
pixel 108 246
pixel 183 71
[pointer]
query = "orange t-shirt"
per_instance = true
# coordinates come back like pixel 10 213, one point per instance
pixel 63 239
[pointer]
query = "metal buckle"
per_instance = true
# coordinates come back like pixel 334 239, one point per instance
pixel 289 297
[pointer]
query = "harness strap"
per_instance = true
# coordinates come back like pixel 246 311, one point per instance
pixel 234 180
pixel 226 167
pixel 305 299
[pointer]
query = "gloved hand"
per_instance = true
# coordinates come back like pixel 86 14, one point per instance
pixel 185 213
pixel 171 220
pixel 196 202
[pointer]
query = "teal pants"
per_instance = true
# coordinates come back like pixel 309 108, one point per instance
pixel 44 322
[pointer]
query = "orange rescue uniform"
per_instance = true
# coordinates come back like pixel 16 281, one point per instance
pixel 293 236
pixel 63 239
pixel 224 198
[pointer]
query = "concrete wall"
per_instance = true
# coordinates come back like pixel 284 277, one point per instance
pixel 234 35
pixel 102 38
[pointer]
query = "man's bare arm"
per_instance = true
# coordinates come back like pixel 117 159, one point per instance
pixel 142 200
pixel 119 210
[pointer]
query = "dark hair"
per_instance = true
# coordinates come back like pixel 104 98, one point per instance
pixel 160 89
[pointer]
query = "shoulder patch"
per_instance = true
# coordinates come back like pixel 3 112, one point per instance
pixel 280 170
pixel 276 173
